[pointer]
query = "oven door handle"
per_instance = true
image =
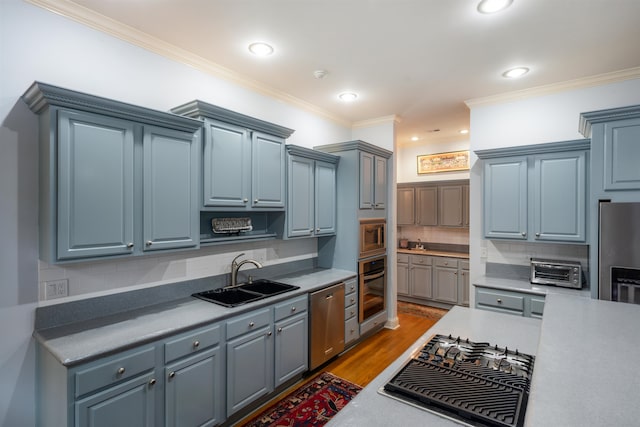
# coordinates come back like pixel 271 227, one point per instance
pixel 373 276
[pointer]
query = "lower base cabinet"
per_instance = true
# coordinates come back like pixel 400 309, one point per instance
pixel 351 326
pixel 434 279
pixel 510 302
pixel 180 380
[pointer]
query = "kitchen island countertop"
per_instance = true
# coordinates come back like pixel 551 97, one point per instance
pixel 431 252
pixel 579 378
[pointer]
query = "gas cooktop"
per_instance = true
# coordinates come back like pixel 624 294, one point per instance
pixel 471 383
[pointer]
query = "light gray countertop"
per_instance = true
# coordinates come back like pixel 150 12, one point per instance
pixel 78 343
pixel 585 372
pixel 523 285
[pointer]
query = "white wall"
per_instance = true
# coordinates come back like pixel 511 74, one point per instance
pixel 38 45
pixel 541 119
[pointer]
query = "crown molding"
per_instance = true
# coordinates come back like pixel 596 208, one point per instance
pixel 524 150
pixel 597 80
pixel 129 34
pixel 377 121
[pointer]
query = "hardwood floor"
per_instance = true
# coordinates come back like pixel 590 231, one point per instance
pixel 368 359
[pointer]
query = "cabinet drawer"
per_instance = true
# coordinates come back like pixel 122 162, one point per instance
pixel 291 307
pixel 350 299
pixel 537 306
pixel 350 286
pixel 191 343
pixel 350 311
pixel 113 370
pixel 446 262
pixel 464 265
pixel 248 322
pixel 351 330
pixel 500 300
pixel 421 260
pixel 403 258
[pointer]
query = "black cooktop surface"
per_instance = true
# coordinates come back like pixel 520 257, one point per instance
pixel 473 383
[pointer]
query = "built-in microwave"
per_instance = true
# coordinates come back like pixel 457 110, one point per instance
pixel 372 237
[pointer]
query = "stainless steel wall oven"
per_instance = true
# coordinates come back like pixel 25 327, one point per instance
pixel 373 286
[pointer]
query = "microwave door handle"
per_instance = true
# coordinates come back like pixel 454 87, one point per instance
pixel 374 276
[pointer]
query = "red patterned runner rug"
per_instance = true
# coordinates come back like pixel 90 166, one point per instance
pixel 312 404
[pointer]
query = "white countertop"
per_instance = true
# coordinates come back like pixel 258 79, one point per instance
pixel 78 343
pixel 523 285
pixel 585 372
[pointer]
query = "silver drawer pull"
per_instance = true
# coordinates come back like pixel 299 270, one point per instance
pixel 129 245
pixel 152 382
pixel 172 374
pixel 196 344
pixel 251 324
pixel 499 301
pixel 293 309
pixel 149 243
pixel 279 329
pixel 121 371
pixel 269 333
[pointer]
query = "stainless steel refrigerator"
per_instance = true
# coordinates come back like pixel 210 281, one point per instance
pixel 619 252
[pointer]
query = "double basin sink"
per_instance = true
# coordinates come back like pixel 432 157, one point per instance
pixel 245 293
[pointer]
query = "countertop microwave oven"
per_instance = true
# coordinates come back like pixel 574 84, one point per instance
pixel 567 274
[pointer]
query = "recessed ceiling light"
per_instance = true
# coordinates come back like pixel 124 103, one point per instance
pixel 464 131
pixel 261 49
pixel 514 73
pixel 493 6
pixel 414 138
pixel 348 96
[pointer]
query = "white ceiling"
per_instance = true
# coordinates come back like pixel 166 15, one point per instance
pixel 416 59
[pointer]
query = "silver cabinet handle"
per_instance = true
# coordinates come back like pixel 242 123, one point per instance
pixel 172 374
pixel 537 234
pixel 196 344
pixel 279 329
pixel 121 371
pixel 149 243
pixel 269 333
pixel 251 324
pixel 245 200
pixel 524 233
pixel 152 382
pixel 499 301
pixel 255 201
pixel 293 309
pixel 318 230
pixel 130 245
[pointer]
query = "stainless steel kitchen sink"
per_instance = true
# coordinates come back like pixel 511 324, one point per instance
pixel 245 293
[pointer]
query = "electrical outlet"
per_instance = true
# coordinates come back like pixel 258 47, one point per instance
pixel 56 289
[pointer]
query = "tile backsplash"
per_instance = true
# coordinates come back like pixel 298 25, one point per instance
pixel 454 236
pixel 520 253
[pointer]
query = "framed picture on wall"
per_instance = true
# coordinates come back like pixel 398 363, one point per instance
pixel 443 162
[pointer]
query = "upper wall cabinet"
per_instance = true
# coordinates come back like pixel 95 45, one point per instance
pixel 311 192
pixel 115 179
pixel 444 204
pixel 373 181
pixel 536 192
pixel 243 159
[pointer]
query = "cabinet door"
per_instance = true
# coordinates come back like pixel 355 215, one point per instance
pixel 450 206
pixel 445 284
pixel 95 185
pixel 403 279
pixel 300 206
pixel 130 404
pixel 268 169
pixel 559 203
pixel 465 206
pixel 325 198
pixel 249 368
pixel 380 183
pixel 366 180
pixel 170 189
pixel 193 392
pixel 463 287
pixel 420 279
pixel 427 205
pixel 227 166
pixel 621 154
pixel 406 203
pixel 505 198
pixel 291 348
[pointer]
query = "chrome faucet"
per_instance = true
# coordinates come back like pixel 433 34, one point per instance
pixel 235 266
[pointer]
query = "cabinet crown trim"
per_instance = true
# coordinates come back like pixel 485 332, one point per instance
pixel 296 150
pixel 552 147
pixel 41 95
pixel 355 145
pixel 589 118
pixel 200 109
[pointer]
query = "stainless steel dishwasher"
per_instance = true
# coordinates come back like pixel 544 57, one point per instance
pixel 326 324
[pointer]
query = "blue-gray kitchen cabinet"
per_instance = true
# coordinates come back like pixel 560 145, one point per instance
pixel 115 179
pixel 373 181
pixel 509 301
pixel 291 353
pixel 311 192
pixel 250 349
pixel 539 195
pixel 194 378
pixel 445 280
